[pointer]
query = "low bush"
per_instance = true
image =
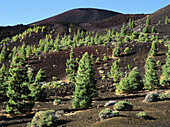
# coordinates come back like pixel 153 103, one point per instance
pixel 142 115
pixel 56 102
pixel 43 119
pixel 107 113
pixel 123 106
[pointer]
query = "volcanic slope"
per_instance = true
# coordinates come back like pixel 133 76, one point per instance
pixel 156 17
pixel 81 15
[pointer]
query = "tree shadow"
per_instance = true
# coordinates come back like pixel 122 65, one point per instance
pixel 160 54
pixel 150 118
pixel 138 110
pixel 129 54
pixel 61 122
pixel 16 120
pixel 120 97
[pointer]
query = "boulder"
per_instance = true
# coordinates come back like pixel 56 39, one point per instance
pixel 152 96
pixel 110 103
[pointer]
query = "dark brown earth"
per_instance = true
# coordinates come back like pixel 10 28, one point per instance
pixel 158 113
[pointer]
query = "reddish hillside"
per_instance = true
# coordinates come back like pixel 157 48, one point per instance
pixel 112 21
pixel 81 15
pixel 157 15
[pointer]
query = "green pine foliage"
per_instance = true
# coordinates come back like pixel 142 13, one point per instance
pixel 148 21
pixel 165 77
pixel 153 30
pixel 116 51
pixel 153 50
pixel 71 67
pixel 23 52
pixel 130 83
pixel 166 20
pixel 41 76
pixel 123 30
pixel 114 71
pixel 130 23
pixel 145 29
pixel 3 79
pixel 135 80
pixel 151 78
pixel 4 53
pixel 123 86
pixel 20 100
pixel 85 88
pixel 127 50
pixel 35 84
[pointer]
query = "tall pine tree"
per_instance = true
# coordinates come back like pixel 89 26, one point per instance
pixel 135 80
pixel 85 88
pixel 153 50
pixel 114 71
pixel 165 77
pixel 148 21
pixel 71 67
pixel 20 100
pixel 3 79
pixel 151 78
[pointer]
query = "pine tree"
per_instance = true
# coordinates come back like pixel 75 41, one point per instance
pixel 40 77
pixel 28 50
pixel 85 88
pixel 23 52
pixel 166 20
pixel 123 86
pixel 133 24
pixel 71 67
pixel 145 29
pixel 135 80
pixel 130 23
pixel 3 79
pixel 116 52
pixel 153 50
pixel 130 83
pixel 148 21
pixel 4 53
pixel 30 75
pixel 153 30
pixel 127 50
pixel 165 77
pixel 123 30
pixel 20 99
pixel 14 51
pixel 151 78
pixel 35 85
pixel 114 71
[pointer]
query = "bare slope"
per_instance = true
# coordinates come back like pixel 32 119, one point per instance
pixel 81 15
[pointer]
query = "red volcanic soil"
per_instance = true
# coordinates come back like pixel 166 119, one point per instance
pixel 55 63
pixel 81 15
